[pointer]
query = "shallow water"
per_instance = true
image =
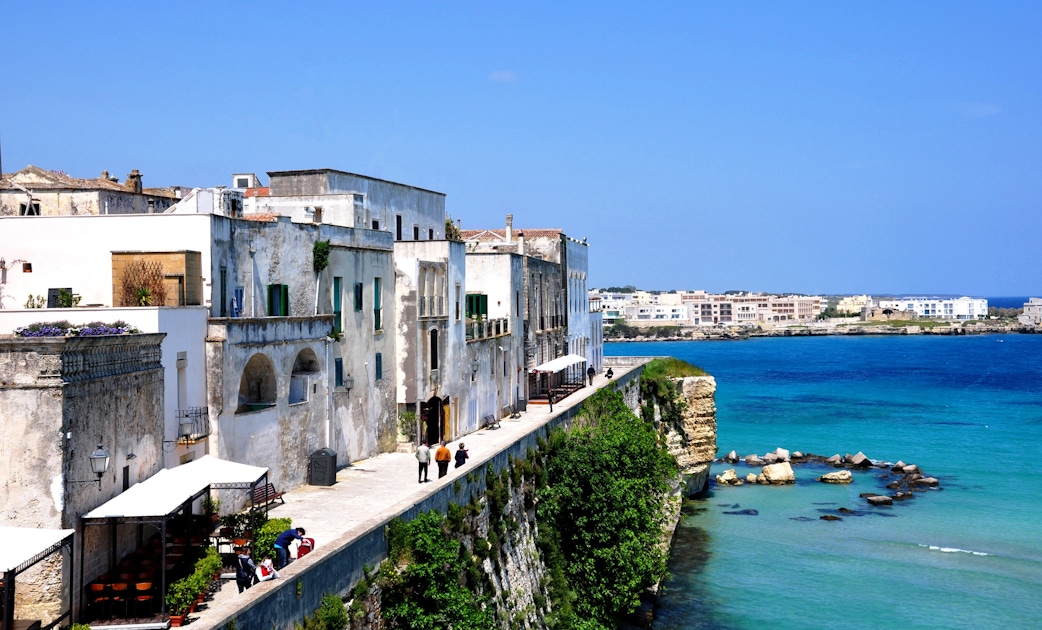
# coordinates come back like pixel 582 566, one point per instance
pixel 968 410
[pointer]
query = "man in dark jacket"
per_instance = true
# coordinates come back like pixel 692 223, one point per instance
pixel 282 545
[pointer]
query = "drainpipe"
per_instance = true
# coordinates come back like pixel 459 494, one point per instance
pixel 329 401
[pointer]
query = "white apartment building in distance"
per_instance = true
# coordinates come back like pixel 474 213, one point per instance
pixel 939 308
pixel 699 308
pixel 1032 312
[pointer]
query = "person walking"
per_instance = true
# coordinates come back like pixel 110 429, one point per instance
pixel 461 455
pixel 589 374
pixel 423 456
pixel 244 568
pixel 282 545
pixel 443 456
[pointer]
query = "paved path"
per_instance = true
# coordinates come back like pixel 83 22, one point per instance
pixel 373 490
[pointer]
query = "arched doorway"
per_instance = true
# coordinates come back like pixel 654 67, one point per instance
pixel 431 417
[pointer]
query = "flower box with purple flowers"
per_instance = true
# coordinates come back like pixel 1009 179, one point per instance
pixel 65 329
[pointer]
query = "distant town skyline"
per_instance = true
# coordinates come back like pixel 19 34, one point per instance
pixel 799 147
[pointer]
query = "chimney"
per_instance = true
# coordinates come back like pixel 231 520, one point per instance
pixel 105 175
pixel 134 181
pixel 510 226
pixel 521 242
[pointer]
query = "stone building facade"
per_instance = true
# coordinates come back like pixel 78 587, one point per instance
pixel 62 398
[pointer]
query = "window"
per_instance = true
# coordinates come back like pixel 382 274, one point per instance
pixel 398 227
pixel 298 389
pixel 457 300
pixel 430 234
pixel 517 304
pixel 477 305
pixel 415 232
pixel 337 304
pixel 376 224
pixel 278 300
pixel 338 372
pixel 434 349
pixel 377 306
pixel 359 199
pixel 379 366
pixel 358 296
pixel 224 291
pixel 237 303
pixel 29 211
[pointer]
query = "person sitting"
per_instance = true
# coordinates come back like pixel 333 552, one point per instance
pixel 266 571
pixel 609 374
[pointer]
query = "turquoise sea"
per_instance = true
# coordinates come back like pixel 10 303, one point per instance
pixel 967 410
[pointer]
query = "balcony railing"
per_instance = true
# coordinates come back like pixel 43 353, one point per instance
pixel 193 424
pixel 487 328
pixel 432 306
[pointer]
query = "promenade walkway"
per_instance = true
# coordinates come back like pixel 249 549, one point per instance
pixel 371 491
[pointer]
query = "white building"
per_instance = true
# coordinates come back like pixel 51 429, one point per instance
pixel 939 308
pixel 1032 312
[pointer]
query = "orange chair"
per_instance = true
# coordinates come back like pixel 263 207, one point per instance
pixel 143 596
pixel 99 600
pixel 120 596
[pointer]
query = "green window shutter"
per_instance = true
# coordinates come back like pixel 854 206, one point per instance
pixel 377 311
pixel 338 372
pixel 358 296
pixel 272 301
pixel 284 300
pixel 483 308
pixel 379 366
pixel 337 304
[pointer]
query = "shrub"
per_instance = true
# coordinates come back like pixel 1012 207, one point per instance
pixel 264 537
pixel 320 255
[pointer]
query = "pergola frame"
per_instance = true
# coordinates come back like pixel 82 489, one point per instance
pixel 160 523
pixel 11 574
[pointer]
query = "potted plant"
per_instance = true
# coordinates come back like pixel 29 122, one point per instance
pixel 179 597
pixel 212 508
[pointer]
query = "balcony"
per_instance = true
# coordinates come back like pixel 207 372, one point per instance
pixel 193 424
pixel 487 328
pixel 432 306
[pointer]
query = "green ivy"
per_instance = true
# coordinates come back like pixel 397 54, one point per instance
pixel 600 515
pixel 320 255
pixel 434 590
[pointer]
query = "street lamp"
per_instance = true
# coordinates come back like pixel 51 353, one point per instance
pixel 99 465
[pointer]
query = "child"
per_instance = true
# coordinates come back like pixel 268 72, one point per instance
pixel 266 571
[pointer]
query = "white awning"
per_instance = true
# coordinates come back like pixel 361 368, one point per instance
pixel 23 546
pixel 164 492
pixel 559 363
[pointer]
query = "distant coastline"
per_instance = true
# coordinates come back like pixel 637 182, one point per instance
pixel 819 329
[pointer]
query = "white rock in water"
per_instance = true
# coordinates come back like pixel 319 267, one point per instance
pixel 750 478
pixel 777 474
pixel 728 478
pixel 781 454
pixel 840 476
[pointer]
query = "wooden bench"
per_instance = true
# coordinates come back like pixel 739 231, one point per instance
pixel 514 413
pixel 263 495
pixel 491 422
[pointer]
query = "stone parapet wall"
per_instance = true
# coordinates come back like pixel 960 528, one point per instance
pixel 338 566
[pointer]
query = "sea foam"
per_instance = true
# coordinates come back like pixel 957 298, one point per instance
pixel 954 550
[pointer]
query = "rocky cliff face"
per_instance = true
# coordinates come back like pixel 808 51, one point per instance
pixel 693 441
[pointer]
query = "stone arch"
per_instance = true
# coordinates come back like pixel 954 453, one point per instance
pixel 258 387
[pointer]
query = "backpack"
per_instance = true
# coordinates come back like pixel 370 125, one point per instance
pixel 241 573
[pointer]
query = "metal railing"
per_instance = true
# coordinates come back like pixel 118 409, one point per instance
pixel 193 424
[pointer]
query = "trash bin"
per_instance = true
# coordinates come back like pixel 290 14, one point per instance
pixel 322 471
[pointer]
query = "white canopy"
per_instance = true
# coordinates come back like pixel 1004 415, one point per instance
pixel 164 492
pixel 26 545
pixel 559 363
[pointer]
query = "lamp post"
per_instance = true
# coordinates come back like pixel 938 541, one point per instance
pixel 99 465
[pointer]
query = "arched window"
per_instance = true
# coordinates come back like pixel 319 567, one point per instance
pixel 258 387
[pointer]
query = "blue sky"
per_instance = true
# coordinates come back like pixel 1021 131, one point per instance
pixel 823 147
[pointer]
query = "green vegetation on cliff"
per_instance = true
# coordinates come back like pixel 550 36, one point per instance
pixel 601 514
